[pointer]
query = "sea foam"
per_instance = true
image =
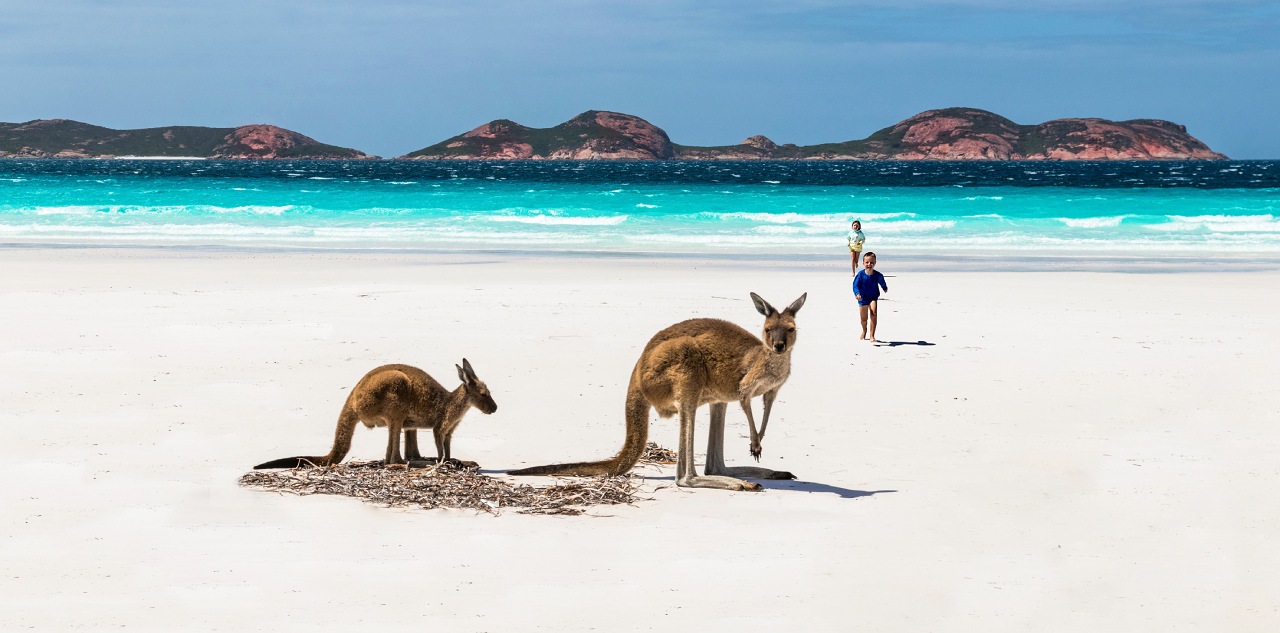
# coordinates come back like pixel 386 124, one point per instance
pixel 560 220
pixel 1093 223
pixel 1221 224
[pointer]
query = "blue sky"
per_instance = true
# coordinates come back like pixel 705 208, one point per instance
pixel 392 76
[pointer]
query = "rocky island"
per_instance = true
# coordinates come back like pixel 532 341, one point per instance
pixel 590 135
pixel 946 134
pixel 62 138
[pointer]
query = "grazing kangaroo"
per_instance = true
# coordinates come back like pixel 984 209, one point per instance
pixel 401 397
pixel 697 362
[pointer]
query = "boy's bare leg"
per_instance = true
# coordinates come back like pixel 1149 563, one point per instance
pixel 862 312
pixel 872 310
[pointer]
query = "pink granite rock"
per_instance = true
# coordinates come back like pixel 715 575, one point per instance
pixel 760 141
pixel 269 141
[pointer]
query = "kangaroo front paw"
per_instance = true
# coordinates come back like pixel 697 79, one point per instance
pixel 781 474
pixel 756 449
pixel 751 486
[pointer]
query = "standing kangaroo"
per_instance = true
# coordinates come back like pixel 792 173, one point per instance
pixel 697 362
pixel 401 397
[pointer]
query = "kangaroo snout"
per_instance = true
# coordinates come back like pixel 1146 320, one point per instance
pixel 779 339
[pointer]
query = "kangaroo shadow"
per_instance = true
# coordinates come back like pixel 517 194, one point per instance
pixel 796 485
pixel 897 343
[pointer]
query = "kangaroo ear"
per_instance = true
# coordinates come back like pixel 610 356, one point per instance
pixel 761 305
pixel 471 373
pixel 462 375
pixel 797 304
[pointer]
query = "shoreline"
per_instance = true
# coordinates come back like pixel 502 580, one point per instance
pixel 912 260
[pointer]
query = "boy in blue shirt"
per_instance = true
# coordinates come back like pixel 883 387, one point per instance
pixel 866 289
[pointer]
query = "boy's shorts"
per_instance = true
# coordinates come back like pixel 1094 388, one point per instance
pixel 866 301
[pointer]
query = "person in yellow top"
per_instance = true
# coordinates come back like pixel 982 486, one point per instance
pixel 856 238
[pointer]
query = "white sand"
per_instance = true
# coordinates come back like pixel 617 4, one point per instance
pixel 1070 452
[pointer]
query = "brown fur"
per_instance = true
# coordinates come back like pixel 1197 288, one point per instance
pixel 402 398
pixel 697 362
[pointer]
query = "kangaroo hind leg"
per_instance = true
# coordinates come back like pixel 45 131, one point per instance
pixel 412 455
pixel 444 449
pixel 686 474
pixel 395 426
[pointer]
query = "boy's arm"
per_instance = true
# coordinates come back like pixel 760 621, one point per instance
pixel 883 284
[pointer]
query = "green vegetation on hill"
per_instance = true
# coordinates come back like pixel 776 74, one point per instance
pixel 318 149
pixel 52 137
pixel 506 131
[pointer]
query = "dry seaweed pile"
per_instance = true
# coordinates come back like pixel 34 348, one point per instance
pixel 654 454
pixel 445 486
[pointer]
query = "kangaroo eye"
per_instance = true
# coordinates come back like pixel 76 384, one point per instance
pixel 791 329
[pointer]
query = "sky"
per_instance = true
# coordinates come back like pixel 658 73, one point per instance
pixel 392 76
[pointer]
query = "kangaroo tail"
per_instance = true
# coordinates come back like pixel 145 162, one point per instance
pixel 632 447
pixel 347 421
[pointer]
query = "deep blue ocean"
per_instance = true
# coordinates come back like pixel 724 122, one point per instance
pixel 923 207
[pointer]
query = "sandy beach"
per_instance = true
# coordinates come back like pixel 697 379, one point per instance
pixel 1045 450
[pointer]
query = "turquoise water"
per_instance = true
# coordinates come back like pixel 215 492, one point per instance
pixel 1035 208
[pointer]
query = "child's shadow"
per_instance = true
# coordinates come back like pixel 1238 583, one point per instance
pixel 897 343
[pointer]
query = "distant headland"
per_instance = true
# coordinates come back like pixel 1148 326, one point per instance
pixel 61 138
pixel 946 134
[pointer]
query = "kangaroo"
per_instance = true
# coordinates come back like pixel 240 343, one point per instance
pixel 697 362
pixel 401 397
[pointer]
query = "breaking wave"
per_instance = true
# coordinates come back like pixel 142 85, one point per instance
pixel 1093 223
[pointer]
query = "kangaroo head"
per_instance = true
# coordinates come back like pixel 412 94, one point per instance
pixel 478 394
pixel 779 327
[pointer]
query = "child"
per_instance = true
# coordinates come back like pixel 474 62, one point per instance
pixel 856 238
pixel 866 289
